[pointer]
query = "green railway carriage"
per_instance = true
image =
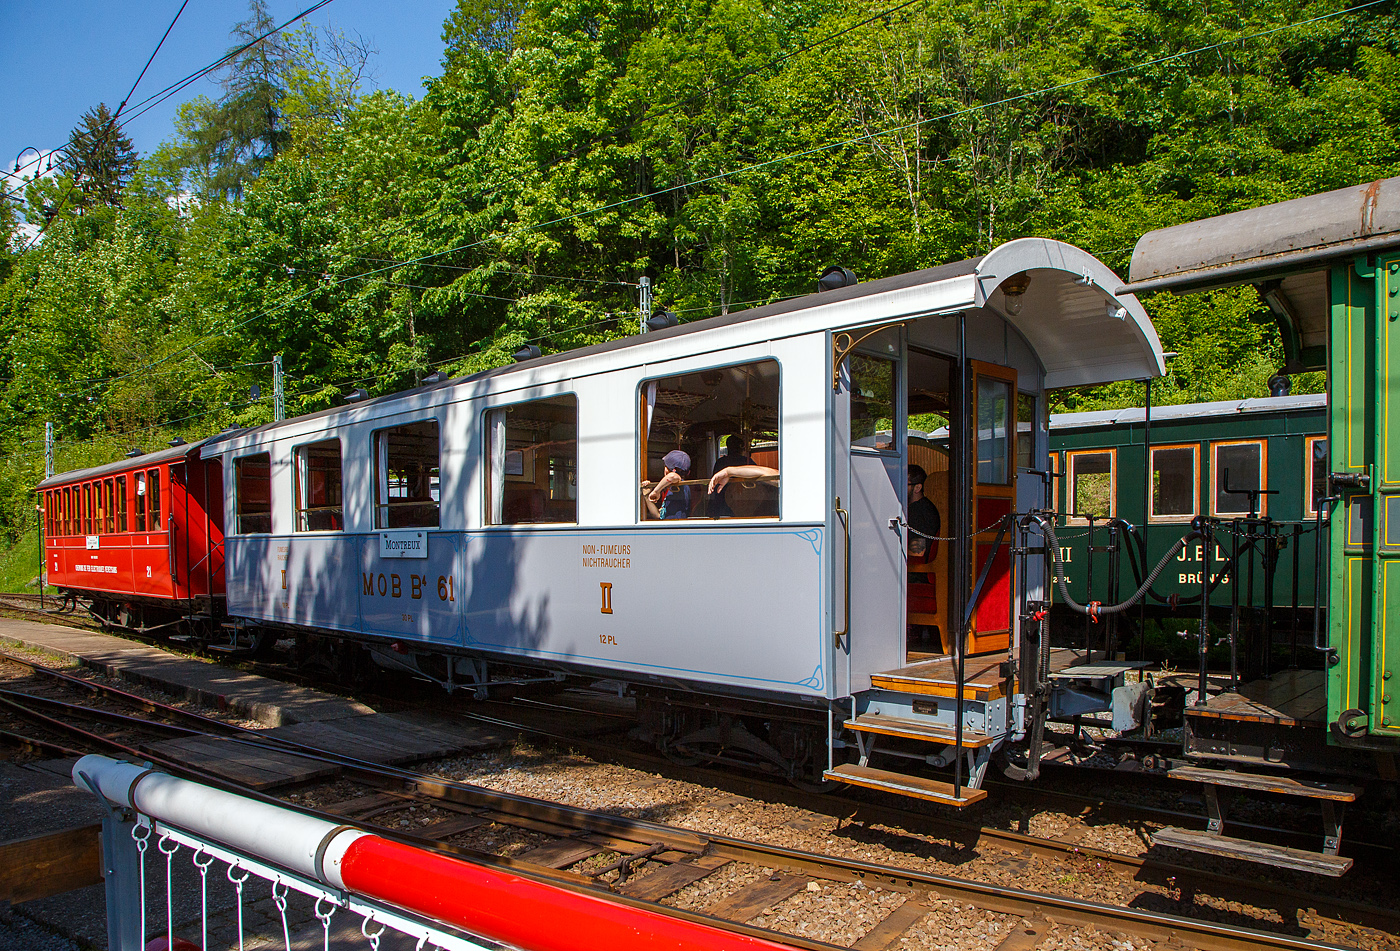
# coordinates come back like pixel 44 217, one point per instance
pixel 1258 465
pixel 1328 266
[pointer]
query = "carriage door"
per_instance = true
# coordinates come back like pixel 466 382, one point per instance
pixel 993 484
pixel 869 421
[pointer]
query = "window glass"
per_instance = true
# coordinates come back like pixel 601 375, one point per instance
pixel 1238 466
pixel 140 501
pixel 532 449
pixel 993 430
pixel 67 513
pixel 252 478
pixel 153 499
pixel 319 506
pixel 87 508
pixel 1025 429
pixel 109 510
pixel 1316 463
pixel 406 476
pixel 719 418
pixel 872 401
pixel 1174 482
pixel 121 503
pixel 1091 484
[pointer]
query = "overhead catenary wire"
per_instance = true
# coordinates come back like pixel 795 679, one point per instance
pixel 752 167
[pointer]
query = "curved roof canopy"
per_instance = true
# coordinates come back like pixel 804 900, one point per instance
pixel 1272 241
pixel 125 465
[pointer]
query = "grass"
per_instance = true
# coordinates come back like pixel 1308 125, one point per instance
pixel 20 563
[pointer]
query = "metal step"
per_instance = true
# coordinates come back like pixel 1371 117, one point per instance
pixel 903 784
pixel 915 730
pixel 1333 866
pixel 1271 784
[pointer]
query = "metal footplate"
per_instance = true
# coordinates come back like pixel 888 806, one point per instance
pixel 1332 797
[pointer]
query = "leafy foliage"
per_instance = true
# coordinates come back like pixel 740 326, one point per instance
pixel 727 149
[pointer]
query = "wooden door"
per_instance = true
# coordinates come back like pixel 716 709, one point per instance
pixel 992 417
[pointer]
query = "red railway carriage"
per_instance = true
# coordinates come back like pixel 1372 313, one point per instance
pixel 140 539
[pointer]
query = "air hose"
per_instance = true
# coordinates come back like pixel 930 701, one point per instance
pixel 1094 609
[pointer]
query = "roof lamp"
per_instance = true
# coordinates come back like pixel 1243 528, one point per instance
pixel 1014 290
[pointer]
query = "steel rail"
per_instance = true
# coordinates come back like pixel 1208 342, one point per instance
pixel 1140 868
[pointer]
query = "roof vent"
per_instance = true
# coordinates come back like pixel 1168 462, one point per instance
pixel 133 453
pixel 527 352
pixel 835 278
pixel 1280 384
pixel 177 441
pixel 437 376
pixel 356 395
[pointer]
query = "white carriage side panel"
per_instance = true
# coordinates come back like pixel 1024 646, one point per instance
pixel 309 578
pixel 608 453
pixel 734 605
pixel 416 599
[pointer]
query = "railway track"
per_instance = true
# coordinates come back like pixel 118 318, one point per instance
pixel 645 861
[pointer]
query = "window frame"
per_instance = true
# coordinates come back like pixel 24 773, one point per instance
pixel 1070 494
pixel 238 494
pixel 899 437
pixel 300 473
pixel 1215 473
pixel 155 517
pixel 66 513
pixel 1152 517
pixel 121 500
pixel 87 508
pixel 1309 509
pixel 488 468
pixel 380 448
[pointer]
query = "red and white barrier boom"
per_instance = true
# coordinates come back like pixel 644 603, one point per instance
pixel 499 905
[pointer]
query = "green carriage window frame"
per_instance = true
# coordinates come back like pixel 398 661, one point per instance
pixel 1236 452
pixel 1170 483
pixel 1092 476
pixel 532 462
pixel 252 494
pixel 1315 473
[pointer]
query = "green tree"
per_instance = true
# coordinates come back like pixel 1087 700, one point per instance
pixel 98 160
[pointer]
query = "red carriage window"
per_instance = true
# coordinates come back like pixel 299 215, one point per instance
pixel 87 508
pixel 109 507
pixel 253 487
pixel 121 503
pixel 140 501
pixel 67 510
pixel 153 498
pixel 48 513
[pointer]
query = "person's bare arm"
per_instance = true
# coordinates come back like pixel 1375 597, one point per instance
pixel 723 477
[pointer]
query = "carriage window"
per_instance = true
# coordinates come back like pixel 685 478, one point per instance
pixel 66 514
pixel 121 503
pixel 153 499
pixel 140 501
pixel 1025 429
pixel 87 508
pixel 1174 478
pixel 319 506
pixel 993 430
pixel 718 418
pixel 533 453
pixel 110 509
pixel 872 402
pixel 1091 484
pixel 1315 464
pixel 1242 463
pixel 406 476
pixel 252 478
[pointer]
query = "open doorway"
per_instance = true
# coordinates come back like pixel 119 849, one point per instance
pixel 930 415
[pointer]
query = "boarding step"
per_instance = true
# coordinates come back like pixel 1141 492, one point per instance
pixel 937 687
pixel 1282 785
pixel 1300 860
pixel 915 730
pixel 903 784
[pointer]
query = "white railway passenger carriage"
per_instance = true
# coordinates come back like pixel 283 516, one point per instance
pixel 497 520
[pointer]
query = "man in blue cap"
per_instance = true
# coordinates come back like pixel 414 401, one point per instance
pixel 667 498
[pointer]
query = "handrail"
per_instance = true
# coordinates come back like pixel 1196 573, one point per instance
pixel 845 518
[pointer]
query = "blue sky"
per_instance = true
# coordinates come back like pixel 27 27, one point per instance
pixel 62 57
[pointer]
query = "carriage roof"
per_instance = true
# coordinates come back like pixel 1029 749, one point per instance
pixel 1160 414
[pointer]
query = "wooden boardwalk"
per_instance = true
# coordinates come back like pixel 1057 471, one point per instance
pixel 381 739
